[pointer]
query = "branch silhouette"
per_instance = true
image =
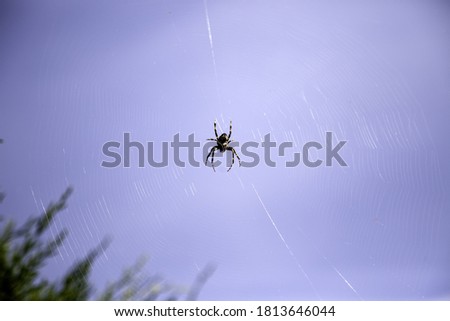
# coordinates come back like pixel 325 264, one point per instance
pixel 24 251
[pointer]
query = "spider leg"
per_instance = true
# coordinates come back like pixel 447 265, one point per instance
pixel 211 139
pixel 229 134
pixel 239 159
pixel 212 159
pixel 232 161
pixel 233 152
pixel 215 128
pixel 209 154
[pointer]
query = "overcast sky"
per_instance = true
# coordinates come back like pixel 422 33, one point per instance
pixel 75 75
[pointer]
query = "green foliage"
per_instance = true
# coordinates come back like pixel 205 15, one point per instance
pixel 23 252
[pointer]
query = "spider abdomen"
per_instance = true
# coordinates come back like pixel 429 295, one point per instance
pixel 223 147
pixel 222 142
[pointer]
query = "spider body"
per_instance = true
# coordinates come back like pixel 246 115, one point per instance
pixel 222 145
pixel 222 142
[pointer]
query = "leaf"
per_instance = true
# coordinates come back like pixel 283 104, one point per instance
pixel 51 211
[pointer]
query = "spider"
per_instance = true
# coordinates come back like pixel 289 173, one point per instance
pixel 222 145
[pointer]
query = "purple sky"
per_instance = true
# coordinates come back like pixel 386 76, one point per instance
pixel 74 75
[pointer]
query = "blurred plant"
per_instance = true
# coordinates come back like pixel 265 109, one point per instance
pixel 2 195
pixel 23 252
